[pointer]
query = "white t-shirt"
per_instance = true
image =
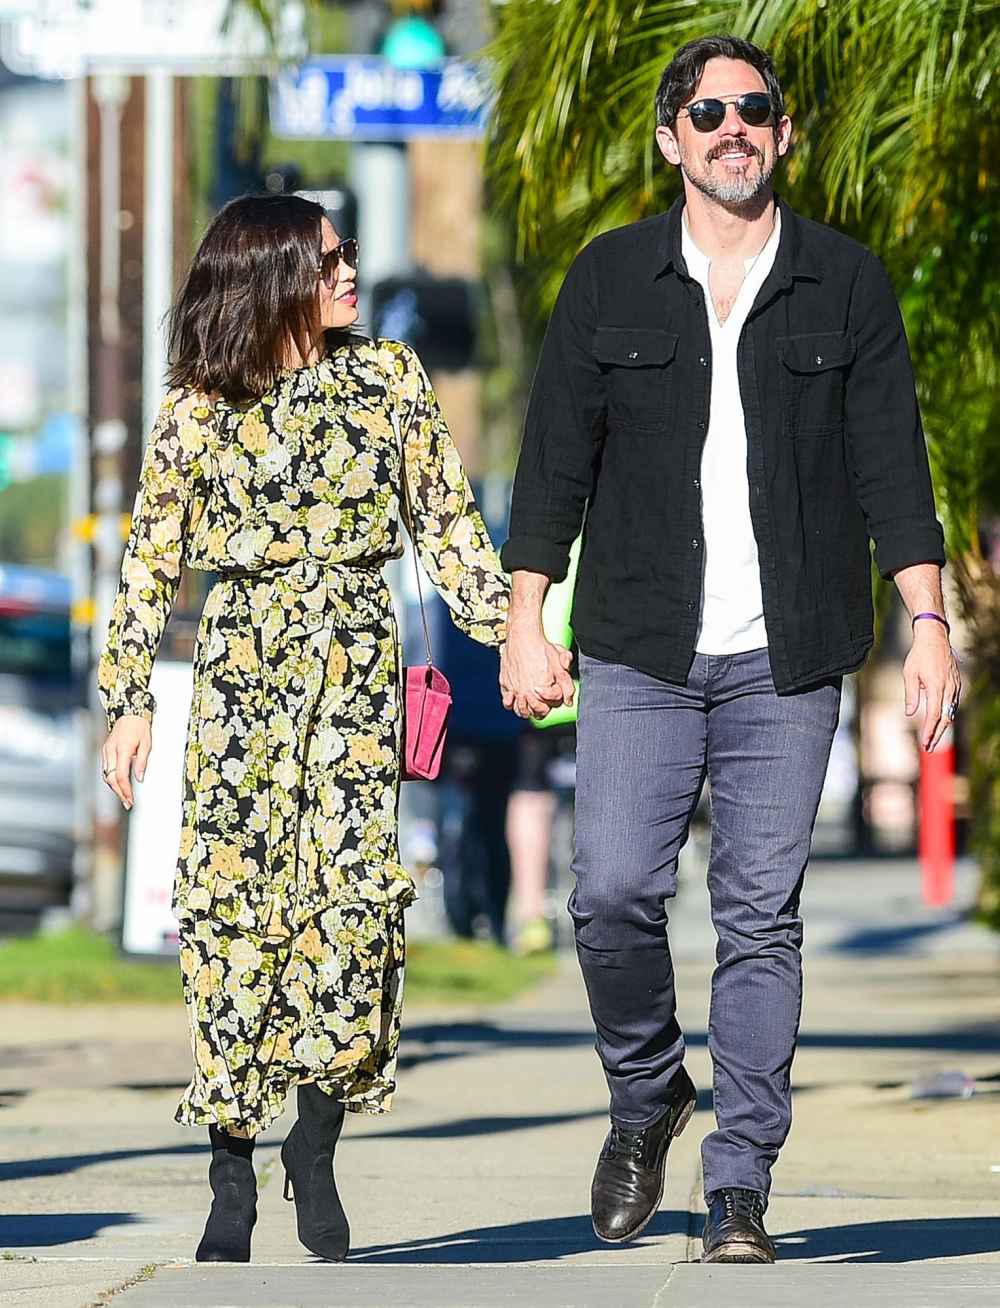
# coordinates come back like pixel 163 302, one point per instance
pixel 732 610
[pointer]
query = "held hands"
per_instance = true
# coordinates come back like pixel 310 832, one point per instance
pixel 534 673
pixel 931 672
pixel 130 740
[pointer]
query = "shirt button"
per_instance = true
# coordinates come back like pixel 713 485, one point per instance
pixel 703 361
pixel 633 354
pixel 701 426
pixel 819 358
pixel 697 484
pixel 695 542
pixel 690 604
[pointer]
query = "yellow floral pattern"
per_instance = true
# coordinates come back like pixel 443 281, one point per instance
pixel 289 888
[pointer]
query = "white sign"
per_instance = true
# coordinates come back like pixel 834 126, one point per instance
pixel 154 826
pixel 67 38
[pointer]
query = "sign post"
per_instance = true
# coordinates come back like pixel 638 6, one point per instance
pixel 937 824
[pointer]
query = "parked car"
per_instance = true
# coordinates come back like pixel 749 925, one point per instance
pixel 39 697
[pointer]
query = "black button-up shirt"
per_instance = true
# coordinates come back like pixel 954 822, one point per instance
pixel 617 420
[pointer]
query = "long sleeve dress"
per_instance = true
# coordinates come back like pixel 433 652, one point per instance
pixel 289 890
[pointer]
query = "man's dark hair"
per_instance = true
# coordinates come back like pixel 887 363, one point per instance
pixel 681 76
pixel 251 292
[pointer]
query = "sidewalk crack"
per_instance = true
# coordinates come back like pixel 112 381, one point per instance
pixel 143 1274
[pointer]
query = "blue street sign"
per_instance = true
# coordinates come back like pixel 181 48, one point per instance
pixel 366 98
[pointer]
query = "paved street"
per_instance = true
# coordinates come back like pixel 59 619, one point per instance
pixel 474 1191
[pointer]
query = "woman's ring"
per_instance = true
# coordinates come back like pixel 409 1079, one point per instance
pixel 951 710
pixel 108 770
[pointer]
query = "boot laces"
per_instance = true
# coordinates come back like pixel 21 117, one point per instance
pixel 628 1145
pixel 743 1203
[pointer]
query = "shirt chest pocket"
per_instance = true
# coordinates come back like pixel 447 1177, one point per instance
pixel 813 377
pixel 638 363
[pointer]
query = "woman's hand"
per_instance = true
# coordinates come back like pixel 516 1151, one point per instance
pixel 125 752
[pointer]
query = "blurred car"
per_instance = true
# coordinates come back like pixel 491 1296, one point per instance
pixel 39 697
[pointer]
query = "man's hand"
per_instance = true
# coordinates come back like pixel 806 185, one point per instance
pixel 130 739
pixel 931 670
pixel 534 674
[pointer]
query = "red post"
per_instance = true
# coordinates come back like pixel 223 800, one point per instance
pixel 937 824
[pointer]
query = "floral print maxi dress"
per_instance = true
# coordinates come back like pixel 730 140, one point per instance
pixel 289 889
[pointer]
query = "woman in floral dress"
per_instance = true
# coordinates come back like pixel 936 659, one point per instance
pixel 275 466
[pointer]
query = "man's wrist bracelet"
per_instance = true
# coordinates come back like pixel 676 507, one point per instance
pixel 936 617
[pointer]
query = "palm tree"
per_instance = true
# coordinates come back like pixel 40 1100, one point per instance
pixel 897 110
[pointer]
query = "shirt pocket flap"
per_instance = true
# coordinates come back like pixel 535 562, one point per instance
pixel 634 347
pixel 817 352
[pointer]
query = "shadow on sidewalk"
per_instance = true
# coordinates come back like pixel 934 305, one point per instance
pixel 25 1169
pixel 908 1241
pixel 470 1126
pixel 546 1240
pixel 31 1230
pixel 441 1041
pixel 885 939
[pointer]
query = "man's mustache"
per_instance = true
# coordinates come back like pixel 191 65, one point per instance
pixel 724 147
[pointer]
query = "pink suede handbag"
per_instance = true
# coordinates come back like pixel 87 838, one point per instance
pixel 427 701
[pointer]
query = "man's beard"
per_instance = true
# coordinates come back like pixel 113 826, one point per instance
pixel 737 190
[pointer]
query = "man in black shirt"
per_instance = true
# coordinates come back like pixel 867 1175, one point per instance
pixel 725 402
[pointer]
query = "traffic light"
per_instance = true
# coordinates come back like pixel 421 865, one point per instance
pixel 438 316
pixel 410 39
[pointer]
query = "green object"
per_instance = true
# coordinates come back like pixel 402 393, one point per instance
pixel 557 623
pixel 413 43
pixel 535 937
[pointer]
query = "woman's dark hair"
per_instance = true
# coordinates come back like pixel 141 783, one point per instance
pixel 681 76
pixel 251 291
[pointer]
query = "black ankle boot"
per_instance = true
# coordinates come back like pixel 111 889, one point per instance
pixel 628 1181
pixel 234 1202
pixel 734 1229
pixel 308 1158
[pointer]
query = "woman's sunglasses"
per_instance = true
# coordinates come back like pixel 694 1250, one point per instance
pixel 754 108
pixel 346 251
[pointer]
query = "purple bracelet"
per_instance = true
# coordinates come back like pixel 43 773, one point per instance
pixel 937 618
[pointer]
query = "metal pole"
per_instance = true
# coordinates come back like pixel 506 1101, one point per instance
pixel 380 178
pixel 79 498
pixel 158 238
pixel 111 91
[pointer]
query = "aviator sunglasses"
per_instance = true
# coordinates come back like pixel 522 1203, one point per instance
pixel 754 108
pixel 346 251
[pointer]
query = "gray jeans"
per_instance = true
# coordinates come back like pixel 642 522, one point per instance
pixel 644 750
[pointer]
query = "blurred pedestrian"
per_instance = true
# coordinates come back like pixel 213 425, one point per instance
pixel 545 771
pixel 726 388
pixel 274 464
pixel 479 767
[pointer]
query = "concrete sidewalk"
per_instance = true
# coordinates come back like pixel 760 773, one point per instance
pixel 474 1191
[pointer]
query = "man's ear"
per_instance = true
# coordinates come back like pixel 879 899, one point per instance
pixel 667 142
pixel 784 135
